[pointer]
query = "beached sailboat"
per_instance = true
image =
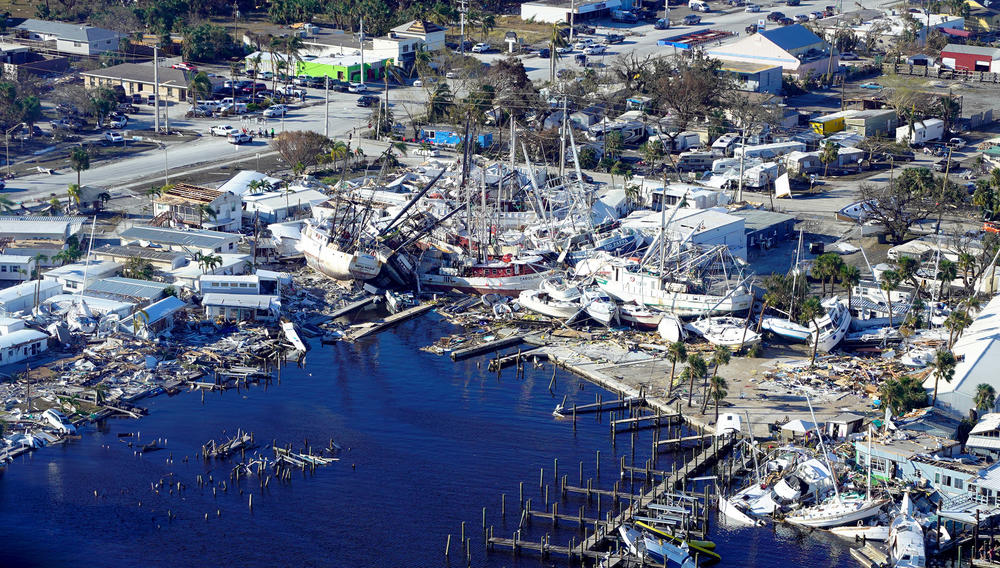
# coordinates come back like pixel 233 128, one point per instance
pixel 338 258
pixel 906 538
pixel 723 330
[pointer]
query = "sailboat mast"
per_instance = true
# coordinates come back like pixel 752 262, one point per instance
pixel 86 263
pixel 826 457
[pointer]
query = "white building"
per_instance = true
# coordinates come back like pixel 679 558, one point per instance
pixel 229 284
pixel 188 276
pixel 798 50
pixel 696 226
pixel 22 344
pixel 978 353
pixel 23 297
pixel 556 11
pixel 80 275
pixel 16 267
pixel 241 307
pixel 280 206
pixel 188 205
pixel 70 38
pixel 185 240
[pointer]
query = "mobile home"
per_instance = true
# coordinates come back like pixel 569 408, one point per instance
pixel 925 131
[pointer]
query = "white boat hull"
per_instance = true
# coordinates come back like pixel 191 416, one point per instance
pixel 725 331
pixel 503 285
pixel 329 260
pixel 735 514
pixel 835 515
pixel 869 532
pixel 648 290
pixel 535 301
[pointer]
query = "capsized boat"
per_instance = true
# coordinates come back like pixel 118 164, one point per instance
pixel 703 547
pixel 868 532
pixel 724 330
pixel 833 326
pixel 906 538
pixel 638 316
pixel 646 545
pixel 599 306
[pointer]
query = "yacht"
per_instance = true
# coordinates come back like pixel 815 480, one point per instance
pixel 833 326
pixel 837 511
pixel 906 539
pixel 599 306
pixel 337 258
pixel 724 330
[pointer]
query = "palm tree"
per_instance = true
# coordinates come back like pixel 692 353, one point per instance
pixel 850 276
pixel 986 397
pixel 73 193
pixel 810 311
pixel 439 102
pixel 254 70
pixel 55 206
pixel 888 282
pixel 291 47
pixel 676 351
pixel 556 40
pixel 696 370
pixel 720 356
pixel 153 192
pixel 200 86
pixel 104 197
pixel 139 321
pixel 63 256
pixel 339 151
pixel 79 160
pixel 212 262
pixel 956 322
pixel 39 259
pixel 947 273
pixel 944 367
pixel 206 210
pixel 718 392
pixel 907 266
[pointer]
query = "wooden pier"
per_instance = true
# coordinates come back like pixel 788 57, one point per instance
pixel 241 442
pixel 376 327
pixel 495 345
pixel 353 307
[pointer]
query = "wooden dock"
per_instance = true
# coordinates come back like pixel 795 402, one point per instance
pixel 495 345
pixel 352 307
pixel 682 439
pixel 645 421
pixel 372 328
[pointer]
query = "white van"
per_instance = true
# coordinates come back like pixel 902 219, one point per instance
pixel 699 6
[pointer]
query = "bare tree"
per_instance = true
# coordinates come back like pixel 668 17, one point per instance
pixel 300 147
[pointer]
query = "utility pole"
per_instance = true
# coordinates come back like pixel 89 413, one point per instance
pixel 572 13
pixel 743 156
pixel 461 23
pixel 326 109
pixel 362 32
pixel 156 89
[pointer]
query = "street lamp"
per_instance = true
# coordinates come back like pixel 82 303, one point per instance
pixel 166 177
pixel 6 137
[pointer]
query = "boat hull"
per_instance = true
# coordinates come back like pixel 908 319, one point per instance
pixel 329 260
pixel 837 518
pixel 504 285
pixel 532 300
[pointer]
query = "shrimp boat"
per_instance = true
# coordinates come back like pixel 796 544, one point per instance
pixel 723 330
pixel 335 255
pixel 639 317
pixel 507 275
pixel 698 282
pixel 906 539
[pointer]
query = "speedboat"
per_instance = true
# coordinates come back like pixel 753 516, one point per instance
pixel 599 306
pixel 646 545
pixel 906 539
pixel 833 326
pixel 544 303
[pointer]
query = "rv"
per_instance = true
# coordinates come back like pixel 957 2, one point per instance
pixel 633 132
pixel 769 151
pixel 681 142
pixel 723 145
pixel 695 161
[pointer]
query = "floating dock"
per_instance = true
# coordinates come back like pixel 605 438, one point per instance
pixel 365 330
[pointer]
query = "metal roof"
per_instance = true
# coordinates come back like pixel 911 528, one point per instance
pixel 791 37
pixel 159 310
pixel 141 73
pixel 14 258
pixel 76 271
pixel 757 219
pixel 130 288
pixel 201 238
pixel 70 32
pixel 991 52
pixel 987 423
pixel 257 302
pixel 28 225
pixel 20 337
pixel 25 289
pixel 128 251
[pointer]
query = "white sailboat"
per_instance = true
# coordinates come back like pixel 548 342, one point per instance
pixel 906 539
pixel 326 255
pixel 868 532
pixel 724 330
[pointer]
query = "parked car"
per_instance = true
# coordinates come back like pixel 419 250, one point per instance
pixel 752 8
pixel 792 2
pixel 595 50
pixel 564 50
pixel 802 18
pixel 618 38
pixel 584 29
pixel 238 138
pixel 544 53
pixel 265 75
pixel 426 152
pixel 184 66
pixel 786 21
pixel 583 43
pixel 367 100
pixel 118 121
pixel 815 15
pixel 451 75
pixel 113 137
pixel 751 29
pixel 942 165
pixel 662 24
pixel 775 16
pixel 66 124
pixel 275 110
pixel 357 88
pixel 66 108
pixel 300 80
pixel 126 108
pixel 956 143
pixel 222 130
pixel 737 2
pixel 201 111
pixel 692 20
pixel 481 47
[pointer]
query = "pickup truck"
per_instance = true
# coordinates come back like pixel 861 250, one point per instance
pixel 238 138
pixel 291 91
pixel 222 130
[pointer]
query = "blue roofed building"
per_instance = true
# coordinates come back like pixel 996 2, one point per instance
pixel 795 48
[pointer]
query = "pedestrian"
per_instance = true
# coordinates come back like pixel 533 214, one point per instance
pixel 272 133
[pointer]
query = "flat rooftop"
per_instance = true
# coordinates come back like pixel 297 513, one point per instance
pixel 745 66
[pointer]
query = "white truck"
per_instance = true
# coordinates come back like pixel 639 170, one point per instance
pixel 923 131
pixel 699 6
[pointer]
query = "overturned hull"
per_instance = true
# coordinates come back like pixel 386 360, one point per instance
pixel 325 257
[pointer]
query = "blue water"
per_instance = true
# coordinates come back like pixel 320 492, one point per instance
pixel 427 443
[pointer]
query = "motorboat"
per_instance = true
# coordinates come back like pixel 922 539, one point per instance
pixel 542 302
pixel 599 306
pixel 399 301
pixel 728 423
pixel 671 328
pixel 59 421
pixel 906 538
pixel 833 326
pixel 704 548
pixel 749 504
pixel 646 545
pixel 837 511
pixel 639 316
pixel 809 478
pixel 873 336
pixel 786 328
pixel 724 330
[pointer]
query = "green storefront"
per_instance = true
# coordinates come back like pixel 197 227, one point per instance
pixel 341 68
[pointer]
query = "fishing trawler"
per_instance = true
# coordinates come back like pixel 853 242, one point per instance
pixel 696 282
pixel 507 275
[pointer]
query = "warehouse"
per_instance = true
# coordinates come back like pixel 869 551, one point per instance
pixel 556 11
pixel 875 122
pixel 971 58
pixel 796 49
pixel 765 229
